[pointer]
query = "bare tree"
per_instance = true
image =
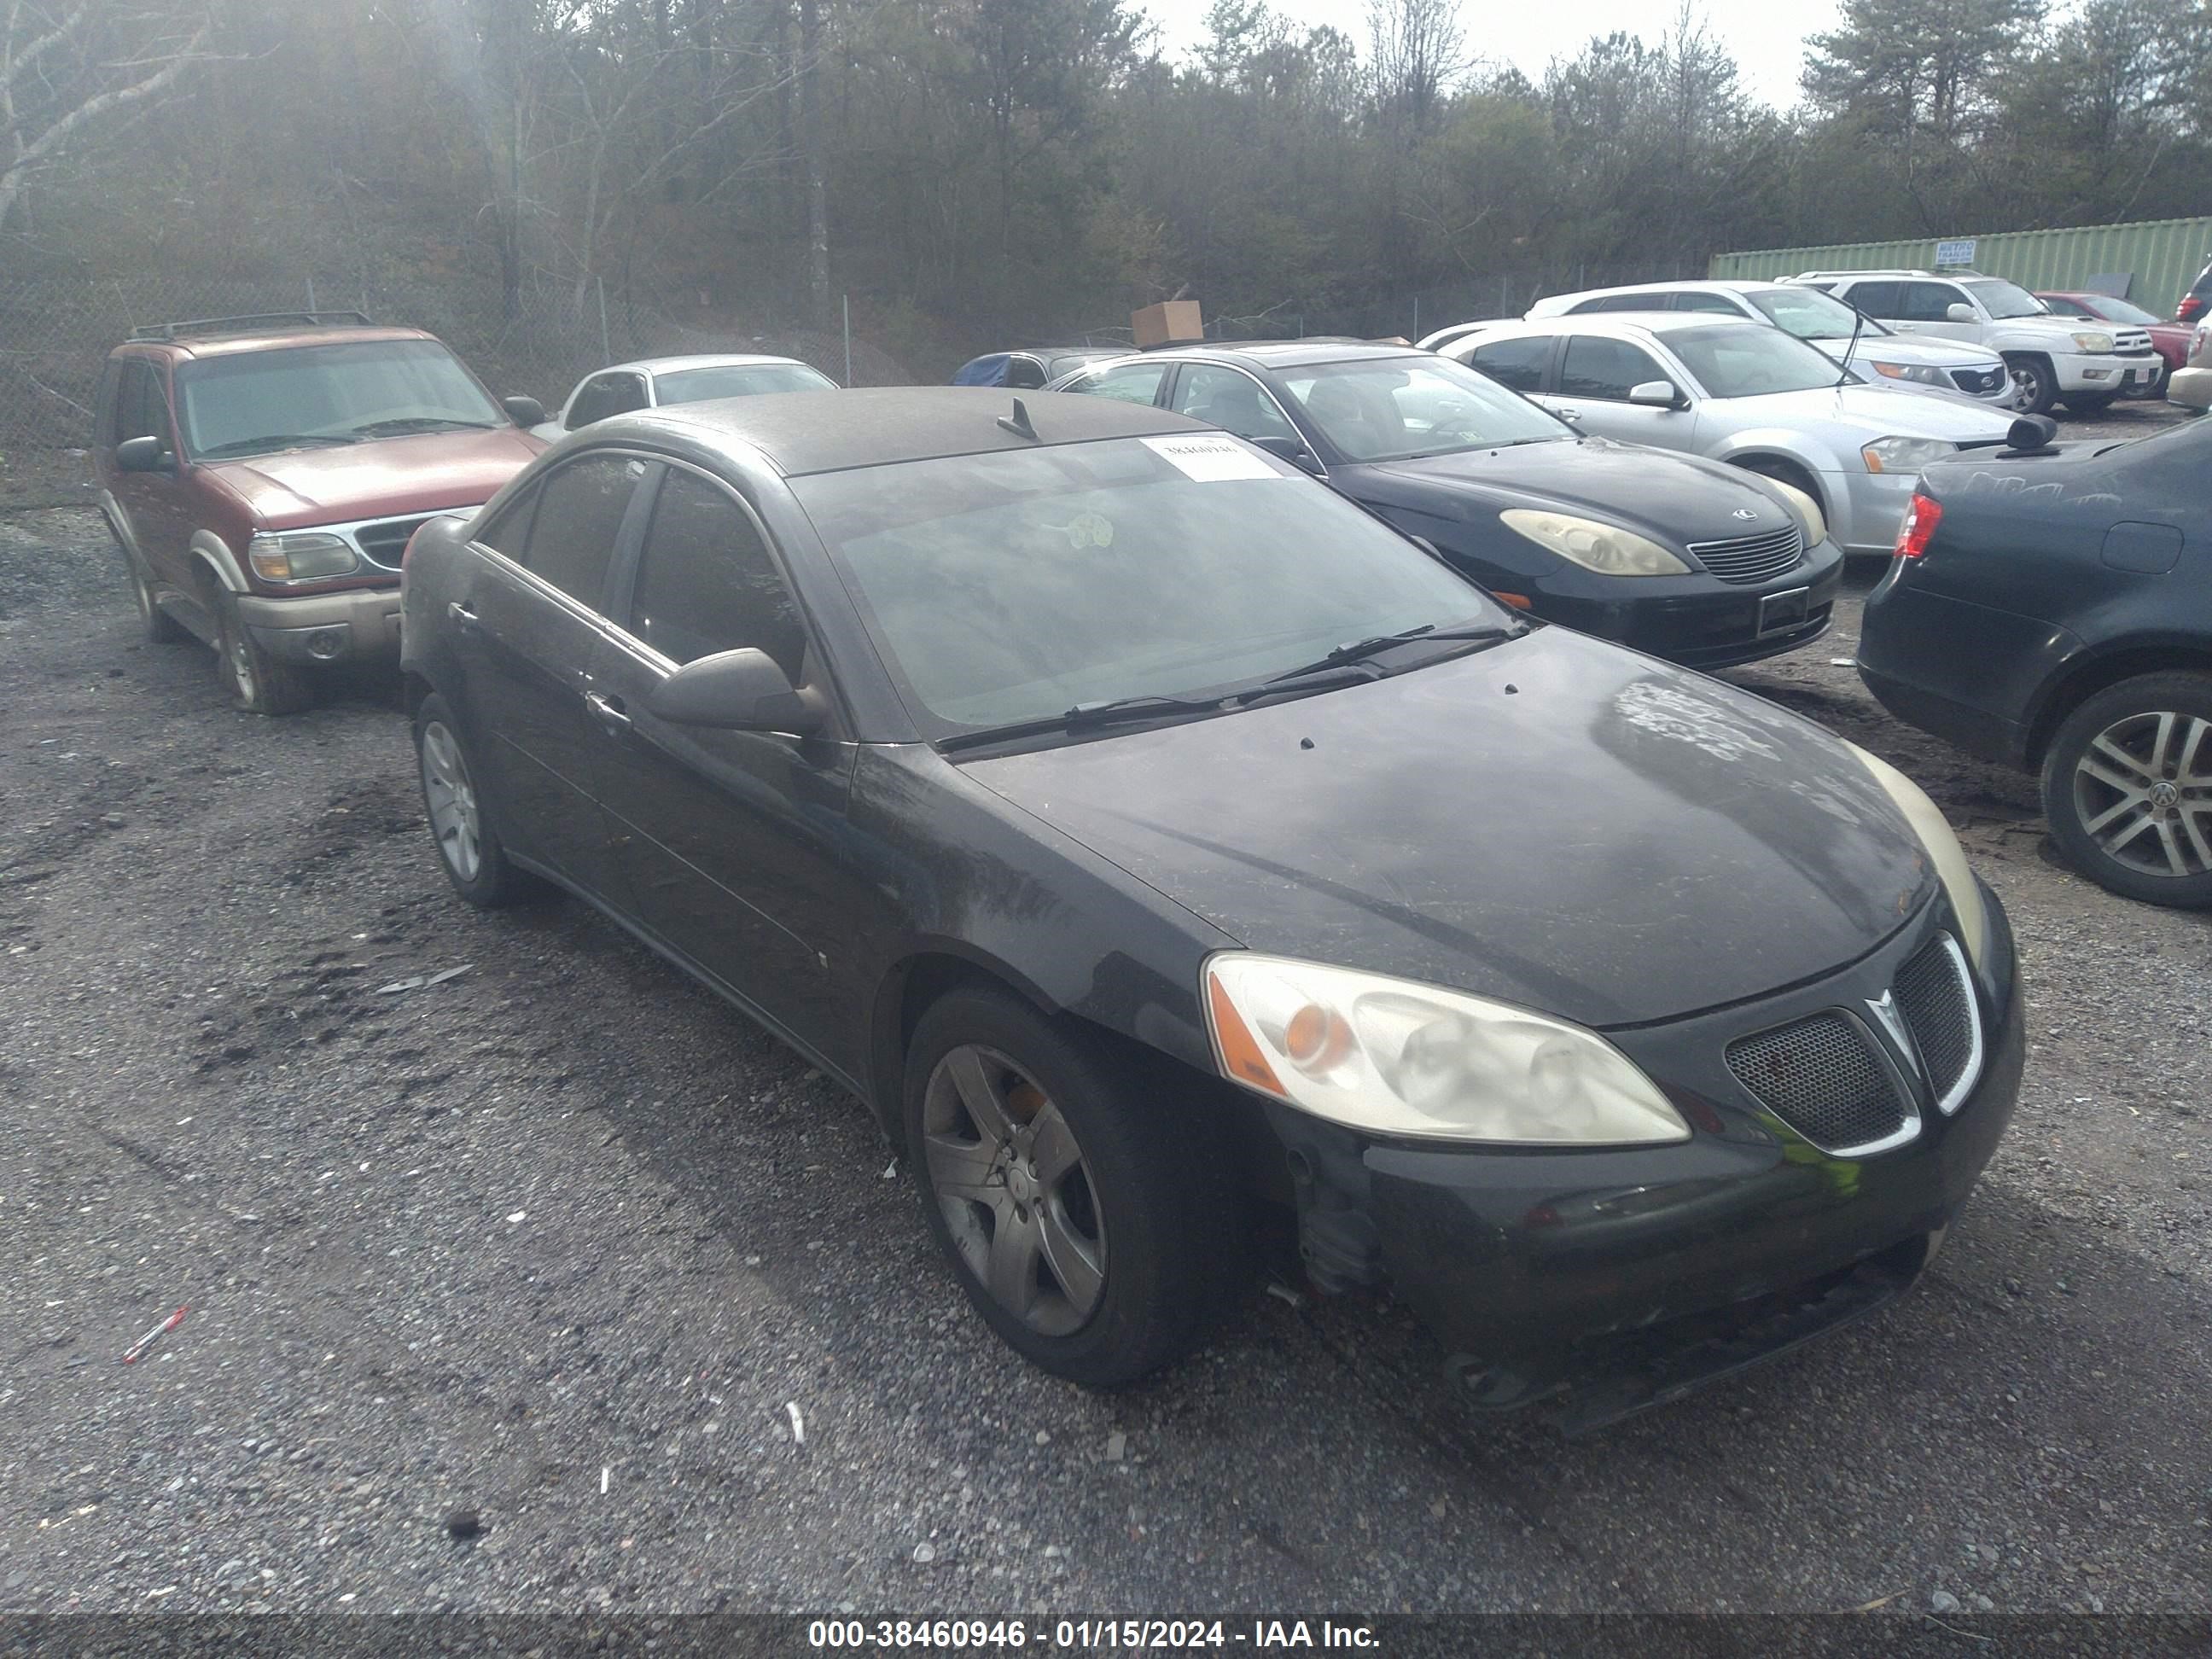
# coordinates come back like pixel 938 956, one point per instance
pixel 63 68
pixel 1416 51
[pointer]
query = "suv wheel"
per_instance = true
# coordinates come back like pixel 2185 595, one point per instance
pixel 257 683
pixel 2034 388
pixel 160 626
pixel 2127 787
pixel 469 850
pixel 1082 1216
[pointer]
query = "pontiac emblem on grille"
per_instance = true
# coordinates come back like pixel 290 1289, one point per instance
pixel 1884 1009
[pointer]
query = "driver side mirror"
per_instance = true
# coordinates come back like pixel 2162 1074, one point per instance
pixel 1290 450
pixel 143 454
pixel 1657 394
pixel 523 411
pixel 740 690
pixel 1960 313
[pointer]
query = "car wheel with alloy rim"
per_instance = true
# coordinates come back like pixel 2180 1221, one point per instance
pixel 2033 388
pixel 256 682
pixel 469 850
pixel 2127 787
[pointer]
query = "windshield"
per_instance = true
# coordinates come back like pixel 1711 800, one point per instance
pixel 2003 299
pixel 1389 409
pixel 260 401
pixel 1747 361
pixel 1016 586
pixel 1812 315
pixel 2118 311
pixel 693 385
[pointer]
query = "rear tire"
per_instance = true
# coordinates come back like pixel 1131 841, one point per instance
pixel 2127 788
pixel 1077 1191
pixel 2035 387
pixel 469 850
pixel 256 682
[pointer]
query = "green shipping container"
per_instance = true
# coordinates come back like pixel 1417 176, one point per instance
pixel 2156 259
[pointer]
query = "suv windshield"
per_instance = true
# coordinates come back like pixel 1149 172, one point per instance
pixel 1812 315
pixel 1014 586
pixel 2003 299
pixel 1391 409
pixel 1749 361
pixel 693 386
pixel 258 401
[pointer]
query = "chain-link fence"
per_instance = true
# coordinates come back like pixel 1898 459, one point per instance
pixel 57 327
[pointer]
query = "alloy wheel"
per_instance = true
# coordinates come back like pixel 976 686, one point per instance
pixel 452 798
pixel 2029 394
pixel 1016 1193
pixel 2144 791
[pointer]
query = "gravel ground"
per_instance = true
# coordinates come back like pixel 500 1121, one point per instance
pixel 509 1292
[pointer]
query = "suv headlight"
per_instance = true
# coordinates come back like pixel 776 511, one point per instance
pixel 2092 343
pixel 1941 845
pixel 300 558
pixel 1923 374
pixel 1605 548
pixel 1393 1057
pixel 1809 510
pixel 1904 454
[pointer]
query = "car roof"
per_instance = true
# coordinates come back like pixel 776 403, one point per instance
pixel 1285 353
pixel 1639 322
pixel 803 432
pixel 1687 285
pixel 696 360
pixel 274 339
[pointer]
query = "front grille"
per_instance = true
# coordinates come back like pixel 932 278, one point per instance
pixel 1753 558
pixel 2131 343
pixel 1818 1076
pixel 384 543
pixel 1937 1001
pixel 1980 382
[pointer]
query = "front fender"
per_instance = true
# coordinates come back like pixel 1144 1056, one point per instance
pixel 1779 443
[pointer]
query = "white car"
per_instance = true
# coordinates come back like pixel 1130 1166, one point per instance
pixel 2052 359
pixel 1877 351
pixel 653 382
pixel 1743 392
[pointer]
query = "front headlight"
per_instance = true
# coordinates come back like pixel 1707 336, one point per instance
pixel 1605 548
pixel 1923 374
pixel 1942 847
pixel 1393 1057
pixel 297 557
pixel 1904 454
pixel 2092 343
pixel 1809 510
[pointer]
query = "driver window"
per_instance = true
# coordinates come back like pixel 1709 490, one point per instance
pixel 141 411
pixel 1599 367
pixel 1929 302
pixel 1024 374
pixel 603 395
pixel 1136 383
pixel 706 582
pixel 1232 400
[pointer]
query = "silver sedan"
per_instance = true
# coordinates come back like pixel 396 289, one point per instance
pixel 652 382
pixel 1738 391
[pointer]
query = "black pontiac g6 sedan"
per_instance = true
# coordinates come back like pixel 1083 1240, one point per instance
pixel 1149 836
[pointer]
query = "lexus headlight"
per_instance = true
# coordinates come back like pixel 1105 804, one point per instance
pixel 1605 548
pixel 295 557
pixel 2093 343
pixel 1397 1057
pixel 1809 510
pixel 1904 454
pixel 1922 373
pixel 1942 847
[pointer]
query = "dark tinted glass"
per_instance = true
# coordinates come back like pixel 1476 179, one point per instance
pixel 508 531
pixel 1876 299
pixel 1024 374
pixel 140 409
pixel 605 395
pixel 1516 363
pixel 706 583
pixel 1232 400
pixel 1598 367
pixel 582 504
pixel 1928 302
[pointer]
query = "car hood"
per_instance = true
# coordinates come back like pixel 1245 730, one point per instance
pixel 1554 823
pixel 1672 498
pixel 1898 349
pixel 1876 411
pixel 386 477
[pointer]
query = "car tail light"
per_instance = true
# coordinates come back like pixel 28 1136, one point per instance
pixel 1920 527
pixel 2191 307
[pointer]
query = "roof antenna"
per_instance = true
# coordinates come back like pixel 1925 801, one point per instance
pixel 1018 422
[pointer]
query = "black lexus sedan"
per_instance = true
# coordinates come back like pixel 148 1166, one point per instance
pixel 1703 564
pixel 2050 607
pixel 1150 837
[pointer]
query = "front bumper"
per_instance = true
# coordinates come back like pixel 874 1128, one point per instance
pixel 1602 1277
pixel 2107 371
pixel 1698 621
pixel 358 624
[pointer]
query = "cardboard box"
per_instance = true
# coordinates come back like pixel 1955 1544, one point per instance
pixel 1167 323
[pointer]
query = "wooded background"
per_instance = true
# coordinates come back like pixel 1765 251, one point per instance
pixel 977 172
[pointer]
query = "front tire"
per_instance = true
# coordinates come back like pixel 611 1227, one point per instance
pixel 1078 1192
pixel 469 848
pixel 256 682
pixel 2127 788
pixel 2034 387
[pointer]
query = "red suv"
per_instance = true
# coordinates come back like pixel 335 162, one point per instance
pixel 264 474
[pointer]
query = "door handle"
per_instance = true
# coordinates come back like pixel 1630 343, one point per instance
pixel 1568 414
pixel 608 712
pixel 462 617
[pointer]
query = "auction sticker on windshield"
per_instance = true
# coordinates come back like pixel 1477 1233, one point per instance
pixel 1210 459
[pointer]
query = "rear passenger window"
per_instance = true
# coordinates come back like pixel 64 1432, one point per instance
pixel 1875 299
pixel 706 583
pixel 581 508
pixel 1518 364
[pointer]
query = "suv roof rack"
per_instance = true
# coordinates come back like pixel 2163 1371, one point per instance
pixel 241 325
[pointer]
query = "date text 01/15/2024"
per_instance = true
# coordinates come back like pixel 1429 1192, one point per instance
pixel 1113 1634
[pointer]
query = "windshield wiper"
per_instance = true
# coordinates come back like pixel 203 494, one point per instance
pixel 1116 712
pixel 419 424
pixel 1359 651
pixel 274 440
